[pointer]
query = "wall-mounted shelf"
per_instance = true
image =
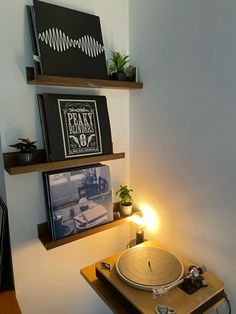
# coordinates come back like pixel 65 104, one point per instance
pixel 45 238
pixel 45 80
pixel 10 162
pixel 9 303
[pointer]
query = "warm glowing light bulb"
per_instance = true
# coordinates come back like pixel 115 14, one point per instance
pixel 149 217
pixel 138 219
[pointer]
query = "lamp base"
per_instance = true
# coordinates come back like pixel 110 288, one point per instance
pixel 133 243
pixel 139 237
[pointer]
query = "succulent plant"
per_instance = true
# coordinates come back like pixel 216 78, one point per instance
pixel 118 62
pixel 25 146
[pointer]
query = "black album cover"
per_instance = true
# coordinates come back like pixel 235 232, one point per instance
pixel 69 42
pixel 34 42
pixel 2 233
pixel 6 268
pixel 74 126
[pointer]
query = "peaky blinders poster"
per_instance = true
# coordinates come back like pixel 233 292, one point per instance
pixel 74 126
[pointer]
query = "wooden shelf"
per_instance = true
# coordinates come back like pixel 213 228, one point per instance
pixel 45 238
pixel 8 302
pixel 10 162
pixel 39 79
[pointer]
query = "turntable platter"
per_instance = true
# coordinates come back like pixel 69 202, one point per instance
pixel 146 268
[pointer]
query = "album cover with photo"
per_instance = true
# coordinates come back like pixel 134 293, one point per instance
pixel 74 126
pixel 77 199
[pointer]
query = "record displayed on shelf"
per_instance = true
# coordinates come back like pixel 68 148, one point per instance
pixel 34 39
pixel 66 42
pixel 77 199
pixel 74 126
pixel 2 233
pixel 6 268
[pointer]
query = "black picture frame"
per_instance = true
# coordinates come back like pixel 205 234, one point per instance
pixel 6 266
pixel 74 126
pixel 66 42
pixel 2 234
pixel 34 42
pixel 77 199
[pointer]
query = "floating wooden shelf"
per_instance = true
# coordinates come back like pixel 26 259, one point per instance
pixel 9 303
pixel 39 79
pixel 45 237
pixel 10 162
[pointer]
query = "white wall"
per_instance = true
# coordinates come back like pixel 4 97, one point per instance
pixel 49 281
pixel 182 126
pixel 182 142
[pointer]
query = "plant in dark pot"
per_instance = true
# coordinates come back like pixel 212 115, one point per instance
pixel 26 150
pixel 126 201
pixel 117 64
pixel 130 73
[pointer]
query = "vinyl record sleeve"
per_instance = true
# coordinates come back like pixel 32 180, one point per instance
pixel 2 233
pixel 74 126
pixel 47 198
pixel 77 199
pixel 6 268
pixel 34 41
pixel 70 42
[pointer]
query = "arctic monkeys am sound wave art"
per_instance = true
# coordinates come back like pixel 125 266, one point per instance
pixel 66 42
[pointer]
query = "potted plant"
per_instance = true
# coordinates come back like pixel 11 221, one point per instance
pixel 130 73
pixel 126 201
pixel 26 150
pixel 117 66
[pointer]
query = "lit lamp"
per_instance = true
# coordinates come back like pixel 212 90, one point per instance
pixel 145 218
pixel 138 219
pixel 140 222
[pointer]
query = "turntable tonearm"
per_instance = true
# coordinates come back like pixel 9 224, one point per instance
pixel 148 279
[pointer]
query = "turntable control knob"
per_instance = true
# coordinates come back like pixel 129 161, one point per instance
pixel 204 283
pixel 164 309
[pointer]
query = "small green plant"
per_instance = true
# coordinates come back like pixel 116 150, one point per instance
pixel 125 195
pixel 117 62
pixel 25 146
pixel 130 73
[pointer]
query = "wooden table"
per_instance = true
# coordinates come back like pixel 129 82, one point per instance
pixel 8 303
pixel 205 298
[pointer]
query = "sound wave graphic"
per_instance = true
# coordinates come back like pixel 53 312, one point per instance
pixel 60 42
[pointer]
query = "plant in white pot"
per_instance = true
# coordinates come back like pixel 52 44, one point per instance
pixel 26 150
pixel 126 201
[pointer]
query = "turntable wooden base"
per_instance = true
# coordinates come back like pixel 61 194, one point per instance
pixel 123 298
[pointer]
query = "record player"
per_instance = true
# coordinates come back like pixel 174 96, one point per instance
pixel 149 279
